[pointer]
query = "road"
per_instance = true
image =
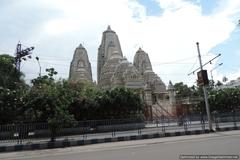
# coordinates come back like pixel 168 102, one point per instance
pixel 221 143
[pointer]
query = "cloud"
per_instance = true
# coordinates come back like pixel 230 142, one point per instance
pixel 173 35
pixel 57 27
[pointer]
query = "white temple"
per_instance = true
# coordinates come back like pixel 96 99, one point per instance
pixel 114 70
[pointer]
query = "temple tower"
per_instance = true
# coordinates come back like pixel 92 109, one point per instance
pixel 108 70
pixel 142 61
pixel 80 69
pixel 109 44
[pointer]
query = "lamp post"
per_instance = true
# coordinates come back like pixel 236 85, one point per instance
pixel 37 58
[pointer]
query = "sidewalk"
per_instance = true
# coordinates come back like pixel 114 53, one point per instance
pixel 61 143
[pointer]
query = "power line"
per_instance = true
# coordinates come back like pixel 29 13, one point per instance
pixel 214 69
pixel 210 61
pixel 94 60
pixel 173 74
pixel 193 65
pixel 175 61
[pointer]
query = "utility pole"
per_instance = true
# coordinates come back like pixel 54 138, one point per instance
pixel 20 54
pixel 205 92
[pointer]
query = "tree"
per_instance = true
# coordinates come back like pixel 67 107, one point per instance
pixel 48 101
pixel 84 106
pixel 12 89
pixel 182 90
pixel 10 77
pixel 218 84
pixel 225 100
pixel 11 102
pixel 94 103
pixel 46 79
pixel 120 103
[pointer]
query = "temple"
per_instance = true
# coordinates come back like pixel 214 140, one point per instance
pixel 80 68
pixel 114 70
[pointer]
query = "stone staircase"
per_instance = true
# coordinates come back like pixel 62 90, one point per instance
pixel 158 110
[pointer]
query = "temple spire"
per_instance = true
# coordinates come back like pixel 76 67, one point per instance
pixel 109 28
pixel 80 46
pixel 80 69
pixel 109 44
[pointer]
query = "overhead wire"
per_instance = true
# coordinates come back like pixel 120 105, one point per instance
pixel 193 65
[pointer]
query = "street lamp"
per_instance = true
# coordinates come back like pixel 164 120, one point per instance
pixel 37 58
pixel 215 68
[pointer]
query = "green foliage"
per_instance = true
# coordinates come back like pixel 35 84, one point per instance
pixel 225 100
pixel 47 100
pixel 106 104
pixel 220 100
pixel 12 90
pixel 61 102
pixel 182 90
pixel 120 102
pixel 10 77
pixel 83 104
pixel 218 84
pixel 46 79
pixel 11 102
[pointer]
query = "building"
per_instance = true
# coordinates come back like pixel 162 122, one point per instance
pixel 231 84
pixel 114 70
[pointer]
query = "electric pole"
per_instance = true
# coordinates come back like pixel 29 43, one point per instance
pixel 205 91
pixel 20 54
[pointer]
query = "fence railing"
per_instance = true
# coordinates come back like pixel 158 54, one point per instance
pixel 20 132
pixel 39 132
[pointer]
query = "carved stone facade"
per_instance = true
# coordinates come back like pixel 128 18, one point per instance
pixel 109 44
pixel 80 69
pixel 114 70
pixel 142 61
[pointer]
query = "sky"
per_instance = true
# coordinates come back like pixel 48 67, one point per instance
pixel 166 29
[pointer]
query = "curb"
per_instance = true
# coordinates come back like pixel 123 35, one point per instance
pixel 68 143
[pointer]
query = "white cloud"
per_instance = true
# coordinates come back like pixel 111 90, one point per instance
pixel 167 38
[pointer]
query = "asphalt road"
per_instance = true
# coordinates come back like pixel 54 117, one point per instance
pixel 217 144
